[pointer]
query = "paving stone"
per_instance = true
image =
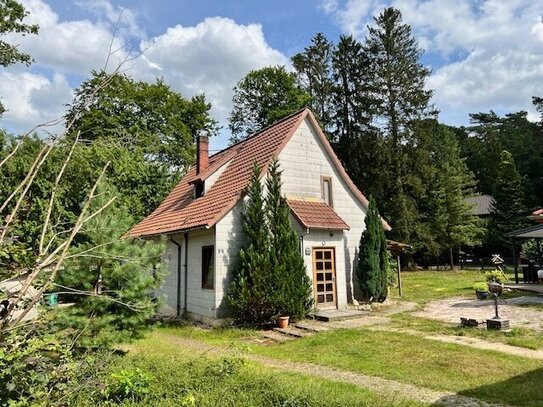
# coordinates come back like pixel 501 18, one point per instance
pixel 293 331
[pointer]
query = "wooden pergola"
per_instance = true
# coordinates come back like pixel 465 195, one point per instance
pixel 397 248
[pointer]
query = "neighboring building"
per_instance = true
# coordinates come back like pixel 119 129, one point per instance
pixel 481 204
pixel 537 216
pixel 202 217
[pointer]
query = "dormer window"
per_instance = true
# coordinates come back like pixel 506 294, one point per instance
pixel 199 188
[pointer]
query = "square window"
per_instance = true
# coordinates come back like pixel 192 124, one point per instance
pixel 208 267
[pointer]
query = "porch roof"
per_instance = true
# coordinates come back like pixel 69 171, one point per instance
pixel 316 215
pixel 532 232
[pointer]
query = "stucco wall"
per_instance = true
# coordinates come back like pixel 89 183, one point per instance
pixel 303 162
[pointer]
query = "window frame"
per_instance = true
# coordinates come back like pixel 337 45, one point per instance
pixel 205 270
pixel 324 180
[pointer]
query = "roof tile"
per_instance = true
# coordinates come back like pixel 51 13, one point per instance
pixel 316 215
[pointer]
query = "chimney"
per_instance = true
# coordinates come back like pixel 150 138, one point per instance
pixel 202 152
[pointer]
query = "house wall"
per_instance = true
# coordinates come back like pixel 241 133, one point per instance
pixel 200 302
pixel 230 239
pixel 303 161
pixel 326 238
pixel 168 289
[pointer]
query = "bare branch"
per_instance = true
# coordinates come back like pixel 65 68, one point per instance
pixel 6 158
pixel 52 197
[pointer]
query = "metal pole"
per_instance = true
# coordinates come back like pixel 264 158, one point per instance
pixel 399 273
pixel 515 263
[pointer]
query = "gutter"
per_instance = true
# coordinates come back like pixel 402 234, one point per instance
pixel 178 309
pixel 186 237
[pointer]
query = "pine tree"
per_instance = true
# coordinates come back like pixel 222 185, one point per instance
pixel 396 80
pixel 249 291
pixel 314 73
pixel 119 273
pixel 451 216
pixel 508 211
pixel 292 286
pixel 372 267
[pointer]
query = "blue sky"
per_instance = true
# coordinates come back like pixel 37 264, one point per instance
pixel 485 54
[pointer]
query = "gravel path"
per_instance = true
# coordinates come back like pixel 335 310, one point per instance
pixel 451 309
pixel 392 389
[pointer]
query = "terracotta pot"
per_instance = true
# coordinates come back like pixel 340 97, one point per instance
pixel 282 322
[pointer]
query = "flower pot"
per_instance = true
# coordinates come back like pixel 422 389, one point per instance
pixel 282 322
pixel 495 288
pixel 481 295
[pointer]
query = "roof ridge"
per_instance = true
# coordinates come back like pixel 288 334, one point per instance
pixel 263 129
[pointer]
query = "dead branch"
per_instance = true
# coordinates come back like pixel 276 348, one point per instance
pixel 52 197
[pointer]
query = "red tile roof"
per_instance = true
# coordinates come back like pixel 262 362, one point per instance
pixel 180 212
pixel 316 215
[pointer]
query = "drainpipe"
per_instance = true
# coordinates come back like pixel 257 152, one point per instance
pixel 178 309
pixel 186 237
pixel 302 241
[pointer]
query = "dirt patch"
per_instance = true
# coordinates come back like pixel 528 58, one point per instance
pixel 452 309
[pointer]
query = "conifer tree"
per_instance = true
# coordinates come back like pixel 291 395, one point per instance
pixel 372 267
pixel 396 80
pixel 292 287
pixel 249 294
pixel 451 216
pixel 508 210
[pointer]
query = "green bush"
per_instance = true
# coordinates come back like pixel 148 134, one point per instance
pixel 480 287
pixel 496 276
pixel 128 384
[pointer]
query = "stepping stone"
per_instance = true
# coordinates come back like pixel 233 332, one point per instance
pixel 293 331
pixel 277 336
pixel 312 326
pixel 338 315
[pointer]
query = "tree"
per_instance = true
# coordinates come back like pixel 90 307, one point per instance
pixel 12 15
pixel 372 268
pixel 270 278
pixel 314 73
pixel 508 211
pixel 249 292
pixel 261 98
pixel 396 81
pixel 450 215
pixel 148 119
pixel 293 293
pixel 128 270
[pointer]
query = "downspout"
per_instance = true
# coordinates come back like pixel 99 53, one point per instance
pixel 178 309
pixel 302 241
pixel 186 237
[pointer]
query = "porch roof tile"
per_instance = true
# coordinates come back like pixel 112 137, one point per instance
pixel 316 215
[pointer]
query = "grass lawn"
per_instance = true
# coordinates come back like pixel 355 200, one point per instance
pixel 179 378
pixel 424 286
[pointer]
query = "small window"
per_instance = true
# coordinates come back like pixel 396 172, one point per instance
pixel 198 189
pixel 208 267
pixel 327 190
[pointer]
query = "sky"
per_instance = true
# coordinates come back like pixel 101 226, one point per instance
pixel 484 54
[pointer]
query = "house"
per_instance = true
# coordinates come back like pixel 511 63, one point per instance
pixel 201 217
pixel 481 205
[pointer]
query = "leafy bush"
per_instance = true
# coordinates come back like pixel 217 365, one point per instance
pixel 480 287
pixel 496 276
pixel 133 384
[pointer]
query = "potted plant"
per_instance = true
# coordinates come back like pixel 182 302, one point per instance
pixel 282 322
pixel 495 280
pixel 481 290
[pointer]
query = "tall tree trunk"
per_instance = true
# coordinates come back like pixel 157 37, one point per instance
pixel 452 257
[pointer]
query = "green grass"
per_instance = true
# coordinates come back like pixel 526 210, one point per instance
pixel 521 337
pixel 424 286
pixel 224 381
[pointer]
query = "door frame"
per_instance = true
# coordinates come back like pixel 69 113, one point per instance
pixel 314 249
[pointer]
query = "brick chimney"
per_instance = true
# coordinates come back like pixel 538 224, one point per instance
pixel 202 152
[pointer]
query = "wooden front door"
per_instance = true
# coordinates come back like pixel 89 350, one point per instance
pixel 324 277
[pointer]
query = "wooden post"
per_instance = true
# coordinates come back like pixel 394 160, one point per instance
pixel 538 242
pixel 515 261
pixel 399 273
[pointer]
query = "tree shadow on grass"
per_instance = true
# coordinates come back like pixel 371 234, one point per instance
pixel 525 390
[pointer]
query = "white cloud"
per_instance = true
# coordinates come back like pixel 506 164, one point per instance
pixel 210 57
pixel 489 52
pixel 32 99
